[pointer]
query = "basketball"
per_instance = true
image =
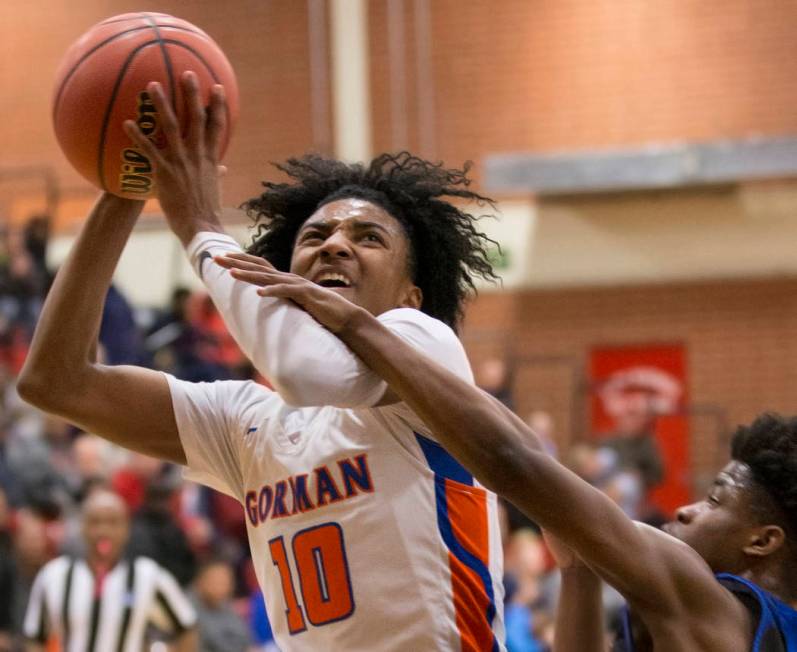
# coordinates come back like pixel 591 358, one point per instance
pixel 102 80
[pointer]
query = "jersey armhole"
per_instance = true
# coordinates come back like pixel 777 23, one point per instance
pixel 767 637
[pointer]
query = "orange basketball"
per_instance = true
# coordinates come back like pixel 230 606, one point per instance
pixel 102 82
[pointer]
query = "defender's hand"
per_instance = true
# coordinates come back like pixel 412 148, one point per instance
pixel 325 306
pixel 187 169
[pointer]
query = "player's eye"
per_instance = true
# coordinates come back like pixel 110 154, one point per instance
pixel 712 500
pixel 373 237
pixel 311 235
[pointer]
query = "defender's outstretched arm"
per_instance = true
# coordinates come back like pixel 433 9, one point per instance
pixel 490 441
pixel 655 572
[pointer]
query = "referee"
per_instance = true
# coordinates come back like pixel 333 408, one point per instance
pixel 104 602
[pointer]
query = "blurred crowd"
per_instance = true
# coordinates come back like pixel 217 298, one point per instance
pixel 48 467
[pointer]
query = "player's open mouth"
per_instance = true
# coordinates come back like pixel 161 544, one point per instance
pixel 333 280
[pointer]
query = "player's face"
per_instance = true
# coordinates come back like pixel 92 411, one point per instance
pixel 360 251
pixel 105 526
pixel 719 526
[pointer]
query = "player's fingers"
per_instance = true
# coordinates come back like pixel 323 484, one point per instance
pixel 216 122
pixel 243 265
pixel 144 143
pixel 249 258
pixel 194 110
pixel 257 278
pixel 281 291
pixel 167 118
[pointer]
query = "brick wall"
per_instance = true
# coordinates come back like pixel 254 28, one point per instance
pixel 574 74
pixel 265 40
pixel 514 75
pixel 739 338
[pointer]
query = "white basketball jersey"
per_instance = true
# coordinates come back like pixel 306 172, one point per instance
pixel 365 533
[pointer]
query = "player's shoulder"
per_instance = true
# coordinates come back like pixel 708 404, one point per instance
pixel 226 393
pixel 431 336
pixel 412 318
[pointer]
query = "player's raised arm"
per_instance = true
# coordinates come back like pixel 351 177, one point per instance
pixel 129 406
pixel 304 362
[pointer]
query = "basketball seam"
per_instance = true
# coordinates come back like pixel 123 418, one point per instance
pixel 212 74
pixel 166 62
pixel 100 45
pixel 109 109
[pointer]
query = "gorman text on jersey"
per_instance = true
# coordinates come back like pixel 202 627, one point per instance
pixel 306 492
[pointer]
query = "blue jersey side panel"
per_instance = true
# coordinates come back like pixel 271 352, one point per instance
pixel 777 624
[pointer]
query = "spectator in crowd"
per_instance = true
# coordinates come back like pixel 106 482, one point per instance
pixel 216 346
pixel 543 424
pixel 33 544
pixel 92 462
pixel 220 628
pixel 119 334
pixel 36 236
pixel 174 341
pixel 39 452
pixel 103 601
pixel 527 612
pixel 495 376
pixel 157 534
pixel 133 477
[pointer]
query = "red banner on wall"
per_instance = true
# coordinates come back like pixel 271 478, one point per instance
pixel 638 392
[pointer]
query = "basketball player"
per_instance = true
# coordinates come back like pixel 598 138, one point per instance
pixel 363 533
pixel 722 577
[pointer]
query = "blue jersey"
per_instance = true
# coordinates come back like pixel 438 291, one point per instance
pixel 776 629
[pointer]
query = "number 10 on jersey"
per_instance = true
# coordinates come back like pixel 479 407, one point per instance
pixel 320 558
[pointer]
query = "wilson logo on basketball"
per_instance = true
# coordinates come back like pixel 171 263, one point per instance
pixel 136 172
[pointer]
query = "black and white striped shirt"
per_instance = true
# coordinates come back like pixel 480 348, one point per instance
pixel 65 601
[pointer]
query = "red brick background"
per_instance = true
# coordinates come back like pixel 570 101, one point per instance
pixel 739 338
pixel 574 74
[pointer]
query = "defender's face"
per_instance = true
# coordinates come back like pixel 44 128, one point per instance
pixel 719 526
pixel 360 251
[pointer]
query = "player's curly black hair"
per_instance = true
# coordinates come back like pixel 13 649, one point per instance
pixel 768 447
pixel 447 251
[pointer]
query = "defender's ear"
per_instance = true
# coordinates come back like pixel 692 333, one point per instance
pixel 765 540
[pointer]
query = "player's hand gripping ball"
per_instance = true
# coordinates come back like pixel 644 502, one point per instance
pixel 102 82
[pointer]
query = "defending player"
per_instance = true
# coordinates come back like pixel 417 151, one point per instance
pixel 722 578
pixel 364 535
